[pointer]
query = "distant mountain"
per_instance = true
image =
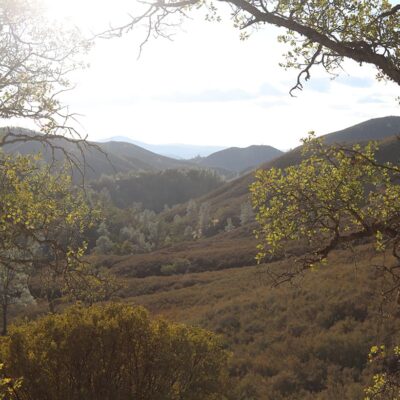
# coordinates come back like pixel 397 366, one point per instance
pixel 173 150
pixel 239 159
pixel 100 158
pixel 109 158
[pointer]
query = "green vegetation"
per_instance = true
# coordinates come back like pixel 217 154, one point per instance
pixel 157 190
pixel 309 341
pixel 8 387
pixel 386 382
pixel 113 352
pixel 43 220
pixel 333 197
pixel 135 230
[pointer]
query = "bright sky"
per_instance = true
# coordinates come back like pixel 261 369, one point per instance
pixel 208 87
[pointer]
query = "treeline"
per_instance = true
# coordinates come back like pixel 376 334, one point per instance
pixel 156 190
pixel 137 229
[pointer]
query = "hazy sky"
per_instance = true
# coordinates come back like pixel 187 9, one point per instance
pixel 208 87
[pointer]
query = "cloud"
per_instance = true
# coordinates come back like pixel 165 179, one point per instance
pixel 321 85
pixel 267 89
pixel 353 81
pixel 372 99
pixel 272 103
pixel 213 95
pixel 324 84
pixel 220 95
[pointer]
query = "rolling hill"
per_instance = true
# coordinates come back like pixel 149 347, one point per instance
pixel 237 159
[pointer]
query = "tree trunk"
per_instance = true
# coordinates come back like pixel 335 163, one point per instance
pixel 5 311
pixel 50 301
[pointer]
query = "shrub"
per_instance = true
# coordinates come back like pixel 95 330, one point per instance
pixel 180 266
pixel 113 352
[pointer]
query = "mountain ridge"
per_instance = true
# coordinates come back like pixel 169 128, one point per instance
pixel 98 158
pixel 109 158
pixel 179 151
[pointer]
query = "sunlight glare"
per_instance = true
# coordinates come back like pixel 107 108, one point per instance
pixel 89 13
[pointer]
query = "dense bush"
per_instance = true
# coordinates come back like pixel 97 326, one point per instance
pixel 179 266
pixel 113 352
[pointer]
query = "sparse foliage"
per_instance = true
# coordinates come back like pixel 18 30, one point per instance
pixel 318 32
pixel 14 287
pixel 386 381
pixel 37 55
pixel 9 387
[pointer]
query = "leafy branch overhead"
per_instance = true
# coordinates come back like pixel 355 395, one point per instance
pixel 37 56
pixel 335 196
pixel 319 32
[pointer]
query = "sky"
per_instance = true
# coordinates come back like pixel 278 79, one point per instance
pixel 207 87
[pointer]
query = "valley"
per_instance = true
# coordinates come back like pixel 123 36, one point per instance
pixel 199 200
pixel 195 263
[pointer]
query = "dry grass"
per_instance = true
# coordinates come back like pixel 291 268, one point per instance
pixel 311 338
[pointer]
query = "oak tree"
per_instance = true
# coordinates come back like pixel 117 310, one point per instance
pixel 335 196
pixel 318 32
pixel 43 220
pixel 37 54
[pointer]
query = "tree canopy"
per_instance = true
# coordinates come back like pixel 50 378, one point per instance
pixel 335 196
pixel 37 55
pixel 43 220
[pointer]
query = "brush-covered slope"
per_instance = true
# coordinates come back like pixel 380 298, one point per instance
pixel 226 201
pixel 237 159
pixel 226 250
pixel 306 342
pixel 217 248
